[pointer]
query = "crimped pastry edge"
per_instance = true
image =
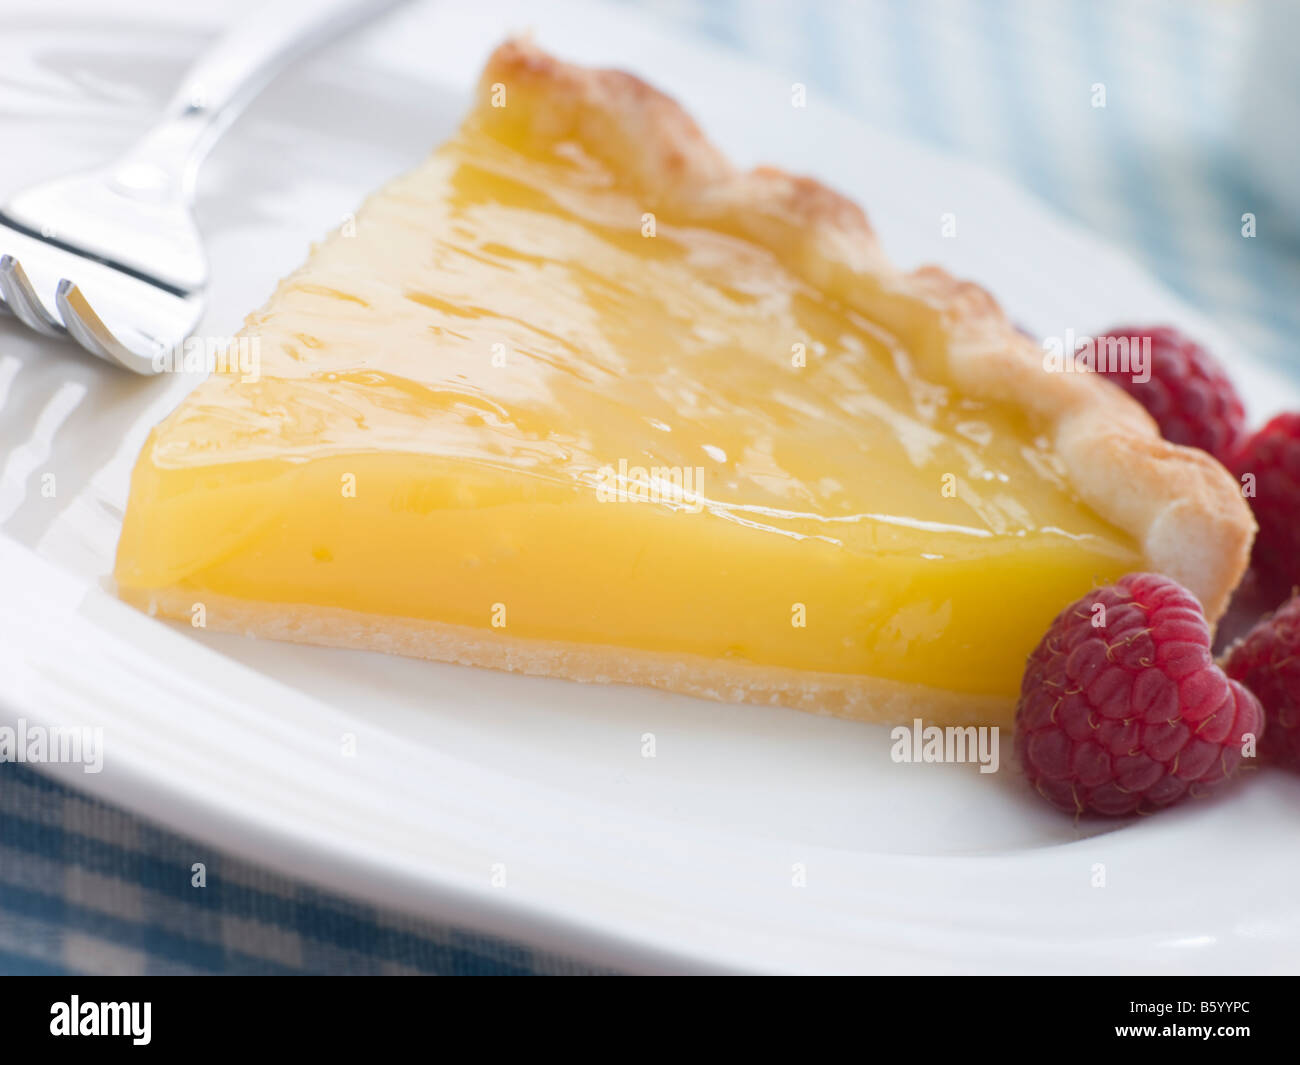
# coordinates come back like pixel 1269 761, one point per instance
pixel 1184 510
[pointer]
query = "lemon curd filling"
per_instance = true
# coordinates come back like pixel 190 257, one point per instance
pixel 516 400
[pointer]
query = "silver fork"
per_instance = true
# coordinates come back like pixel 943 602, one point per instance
pixel 113 258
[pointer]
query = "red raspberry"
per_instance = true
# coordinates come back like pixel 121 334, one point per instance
pixel 1272 458
pixel 1267 661
pixel 1122 709
pixel 1188 394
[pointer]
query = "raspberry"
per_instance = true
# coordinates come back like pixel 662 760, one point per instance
pixel 1188 394
pixel 1267 661
pixel 1272 459
pixel 1122 709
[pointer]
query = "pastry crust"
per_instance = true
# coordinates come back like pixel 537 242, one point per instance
pixel 1185 511
pixel 853 696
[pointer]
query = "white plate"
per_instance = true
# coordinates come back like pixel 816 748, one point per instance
pixel 683 861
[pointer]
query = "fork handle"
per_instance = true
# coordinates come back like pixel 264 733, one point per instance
pixel 163 163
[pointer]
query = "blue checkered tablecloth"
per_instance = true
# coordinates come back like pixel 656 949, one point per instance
pixel 88 888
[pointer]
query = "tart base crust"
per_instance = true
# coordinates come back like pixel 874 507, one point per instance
pixel 852 696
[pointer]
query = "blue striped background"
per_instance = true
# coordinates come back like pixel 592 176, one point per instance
pixel 1000 81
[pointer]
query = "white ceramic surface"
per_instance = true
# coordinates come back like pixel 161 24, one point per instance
pixel 684 861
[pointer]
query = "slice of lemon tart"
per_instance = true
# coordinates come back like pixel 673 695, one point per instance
pixel 576 398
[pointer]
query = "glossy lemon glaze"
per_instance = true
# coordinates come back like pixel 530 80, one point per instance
pixel 512 399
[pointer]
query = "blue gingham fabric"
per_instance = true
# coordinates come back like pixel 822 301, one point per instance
pixel 88 888
pixel 1162 174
